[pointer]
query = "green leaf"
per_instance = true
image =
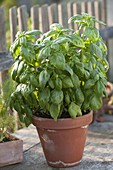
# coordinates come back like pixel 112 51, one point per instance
pixel 74 110
pixel 61 40
pixel 26 89
pixel 24 77
pixel 51 83
pixel 67 30
pixel 20 68
pixel 106 64
pixel 79 70
pixel 95 50
pixel 17 107
pixel 67 82
pixel 89 66
pixel 44 53
pixel 21 117
pixel 47 41
pixel 75 80
pixel 56 26
pixel 34 80
pixel 67 98
pixel 58 84
pixel 33 32
pixel 23 41
pixel 79 96
pixel 75 18
pixel 89 84
pixel 77 41
pixel 55 46
pixel 43 78
pixel 95 102
pixel 58 60
pixel 14 69
pixel 54 111
pixel 14 46
pixel 91 33
pixel 27 120
pixel 101 66
pixel 27 54
pixel 56 96
pixel 29 113
pixel 102 46
pixel 51 33
pixel 44 96
pixel 85 105
pixel 87 74
pixel 68 68
pixel 99 88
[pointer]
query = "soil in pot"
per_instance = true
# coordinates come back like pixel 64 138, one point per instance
pixel 63 141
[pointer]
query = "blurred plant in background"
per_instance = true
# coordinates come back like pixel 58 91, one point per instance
pixel 7 119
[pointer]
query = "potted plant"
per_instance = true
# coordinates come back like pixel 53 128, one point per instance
pixel 60 78
pixel 11 148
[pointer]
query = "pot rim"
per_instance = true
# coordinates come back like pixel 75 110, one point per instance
pixel 63 123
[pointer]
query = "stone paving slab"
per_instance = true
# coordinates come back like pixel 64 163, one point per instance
pixel 98 153
pixel 29 136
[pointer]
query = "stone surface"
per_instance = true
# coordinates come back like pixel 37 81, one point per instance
pixel 29 136
pixel 98 153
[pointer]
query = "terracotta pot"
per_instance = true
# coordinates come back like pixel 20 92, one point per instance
pixel 63 141
pixel 11 152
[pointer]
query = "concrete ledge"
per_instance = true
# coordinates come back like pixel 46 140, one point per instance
pixel 6 60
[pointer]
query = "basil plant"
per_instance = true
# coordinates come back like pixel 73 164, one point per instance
pixel 60 75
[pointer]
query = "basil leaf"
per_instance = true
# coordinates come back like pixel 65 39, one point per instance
pixel 54 111
pixel 79 95
pixel 95 102
pixel 95 50
pixel 77 41
pixel 44 53
pixel 44 96
pixel 26 89
pixel 75 80
pixel 91 33
pixel 68 68
pixel 51 83
pixel 56 96
pixel 27 54
pixel 75 18
pixel 62 40
pixel 58 84
pixel 58 60
pixel 56 27
pixel 55 46
pixel 67 82
pixel 74 110
pixel 89 84
pixel 67 98
pixel 33 32
pixel 43 78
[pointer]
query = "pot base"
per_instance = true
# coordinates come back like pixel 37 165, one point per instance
pixel 60 164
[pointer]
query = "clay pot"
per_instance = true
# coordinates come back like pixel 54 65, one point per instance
pixel 63 141
pixel 11 152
